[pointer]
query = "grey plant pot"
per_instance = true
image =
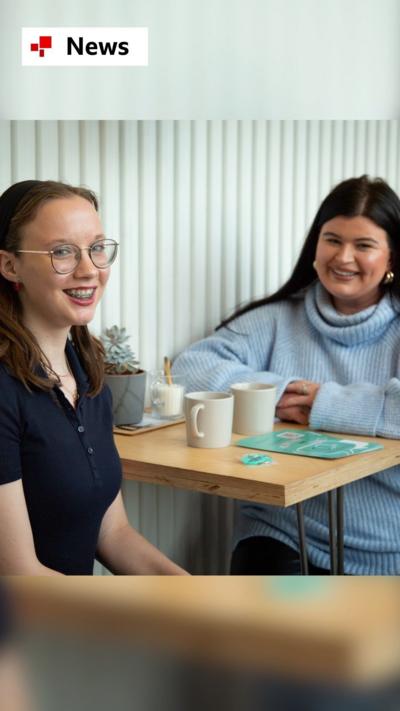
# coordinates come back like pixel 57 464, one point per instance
pixel 128 392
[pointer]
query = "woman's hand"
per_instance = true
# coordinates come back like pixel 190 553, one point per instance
pixel 296 402
pixel 124 551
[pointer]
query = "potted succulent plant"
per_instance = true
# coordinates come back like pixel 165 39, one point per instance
pixel 124 376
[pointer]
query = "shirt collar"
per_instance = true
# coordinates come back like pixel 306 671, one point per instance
pixel 82 380
pixel 80 376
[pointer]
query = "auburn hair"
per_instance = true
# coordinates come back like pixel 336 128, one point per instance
pixel 19 349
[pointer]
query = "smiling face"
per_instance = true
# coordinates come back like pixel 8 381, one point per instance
pixel 351 260
pixel 52 301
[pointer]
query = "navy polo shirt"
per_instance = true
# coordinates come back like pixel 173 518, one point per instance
pixel 6 616
pixel 68 463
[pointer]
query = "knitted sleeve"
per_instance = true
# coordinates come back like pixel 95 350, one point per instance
pixel 238 353
pixel 359 408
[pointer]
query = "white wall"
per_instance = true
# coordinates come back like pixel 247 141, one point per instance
pixel 208 214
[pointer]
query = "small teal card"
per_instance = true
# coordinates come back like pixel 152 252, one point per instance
pixel 253 460
pixel 308 444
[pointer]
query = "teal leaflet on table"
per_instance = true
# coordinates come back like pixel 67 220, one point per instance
pixel 308 444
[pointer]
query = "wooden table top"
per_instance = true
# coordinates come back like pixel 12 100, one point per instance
pixel 163 457
pixel 344 629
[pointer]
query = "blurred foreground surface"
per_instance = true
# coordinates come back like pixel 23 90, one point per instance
pixel 226 643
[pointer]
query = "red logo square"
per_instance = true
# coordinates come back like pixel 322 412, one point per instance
pixel 45 42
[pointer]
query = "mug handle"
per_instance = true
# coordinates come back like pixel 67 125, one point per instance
pixel 193 420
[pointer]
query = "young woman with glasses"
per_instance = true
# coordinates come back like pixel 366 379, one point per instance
pixel 60 500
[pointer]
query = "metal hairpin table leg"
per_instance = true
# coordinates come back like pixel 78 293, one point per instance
pixel 333 545
pixel 302 539
pixel 340 529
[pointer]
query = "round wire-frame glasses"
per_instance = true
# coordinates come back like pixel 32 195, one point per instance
pixel 66 257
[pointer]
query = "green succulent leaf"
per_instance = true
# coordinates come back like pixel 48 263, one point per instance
pixel 119 357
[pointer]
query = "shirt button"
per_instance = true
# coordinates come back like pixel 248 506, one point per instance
pixel 81 428
pixel 90 450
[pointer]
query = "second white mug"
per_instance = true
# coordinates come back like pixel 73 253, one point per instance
pixel 254 409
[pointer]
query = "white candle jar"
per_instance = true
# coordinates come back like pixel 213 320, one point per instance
pixel 166 395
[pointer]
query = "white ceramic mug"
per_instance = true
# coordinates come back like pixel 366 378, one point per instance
pixel 208 419
pixel 254 409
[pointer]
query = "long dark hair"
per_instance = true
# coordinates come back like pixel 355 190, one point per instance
pixel 19 349
pixel 363 196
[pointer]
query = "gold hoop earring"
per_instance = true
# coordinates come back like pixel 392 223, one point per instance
pixel 315 264
pixel 388 278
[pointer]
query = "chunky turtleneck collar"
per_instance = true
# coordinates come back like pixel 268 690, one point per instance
pixel 348 329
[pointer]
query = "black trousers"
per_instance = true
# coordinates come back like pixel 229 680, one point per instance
pixel 260 555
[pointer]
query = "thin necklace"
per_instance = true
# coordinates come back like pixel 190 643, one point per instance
pixel 64 375
pixel 50 372
pixel 72 393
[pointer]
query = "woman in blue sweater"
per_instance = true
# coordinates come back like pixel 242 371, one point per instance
pixel 329 340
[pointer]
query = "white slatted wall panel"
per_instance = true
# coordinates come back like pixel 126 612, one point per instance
pixel 209 214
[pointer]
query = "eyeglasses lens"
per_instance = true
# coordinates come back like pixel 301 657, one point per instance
pixel 66 257
pixel 103 253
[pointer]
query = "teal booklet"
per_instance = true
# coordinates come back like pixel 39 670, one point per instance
pixel 308 444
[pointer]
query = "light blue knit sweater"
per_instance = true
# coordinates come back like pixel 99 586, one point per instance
pixel 356 358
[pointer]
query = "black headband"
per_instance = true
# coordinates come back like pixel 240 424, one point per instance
pixel 9 202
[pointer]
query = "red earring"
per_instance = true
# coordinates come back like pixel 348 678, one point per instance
pixel 17 286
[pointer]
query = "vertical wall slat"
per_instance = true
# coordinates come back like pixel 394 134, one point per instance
pixel 6 153
pixel 258 275
pixel 198 267
pixel 110 211
pixel 313 168
pixel 47 139
pixel 23 150
pixel 337 152
pixel 165 273
pixel 348 148
pixel 285 201
pixel 360 150
pixel 129 231
pixel 245 212
pixel 230 262
pixel 393 154
pixel 381 147
pixel 272 202
pixel 214 223
pixel 181 303
pixel 148 253
pixel 299 184
pixel 371 147
pixel 69 150
pixel 90 172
